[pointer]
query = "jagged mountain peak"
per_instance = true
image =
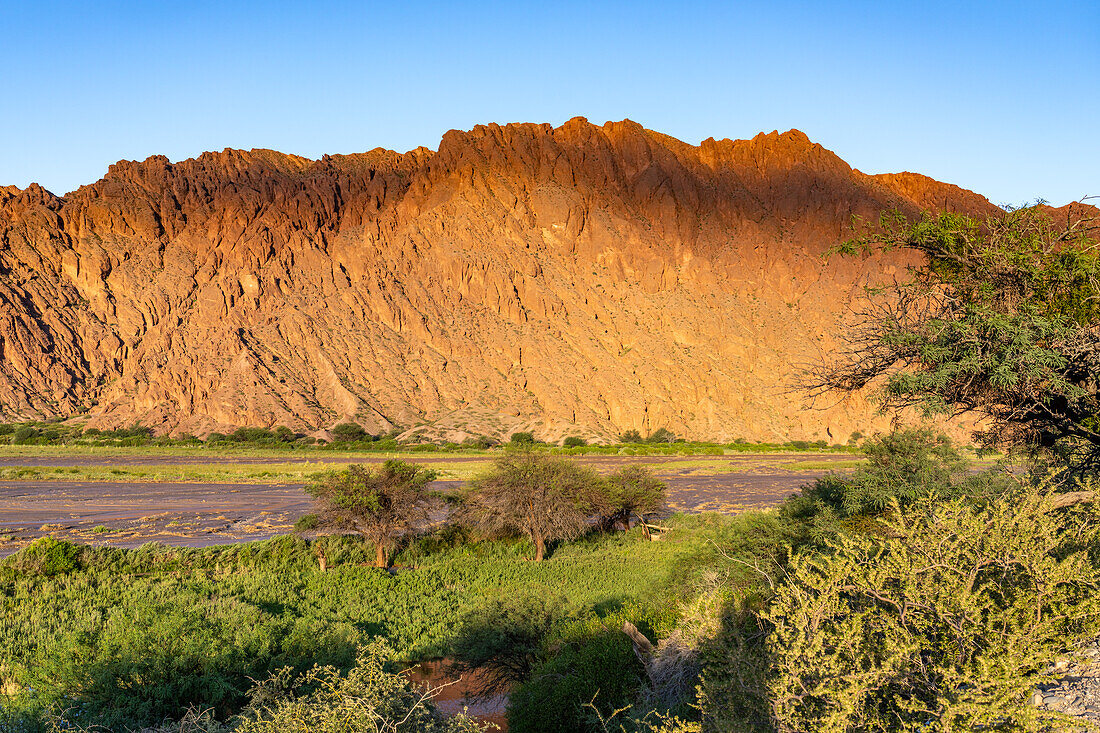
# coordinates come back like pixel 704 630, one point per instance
pixel 585 278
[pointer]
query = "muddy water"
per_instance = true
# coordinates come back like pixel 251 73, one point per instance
pixel 454 694
pixel 130 513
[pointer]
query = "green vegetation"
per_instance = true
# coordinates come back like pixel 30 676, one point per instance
pixel 381 505
pixel 548 498
pixel 67 438
pixel 131 637
pixel 901 467
pixel 950 619
pixel 367 699
pixel 1001 320
pixel 914 594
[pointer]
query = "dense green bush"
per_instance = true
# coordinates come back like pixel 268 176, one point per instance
pixel 946 623
pixel 505 640
pixel 47 556
pixel 24 434
pixel 370 697
pixel 902 466
pixel 151 658
pixel 522 438
pixel 574 442
pixel 348 432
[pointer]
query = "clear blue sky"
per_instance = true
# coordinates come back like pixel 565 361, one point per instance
pixel 1002 98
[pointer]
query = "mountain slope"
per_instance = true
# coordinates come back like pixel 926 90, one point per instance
pixel 581 279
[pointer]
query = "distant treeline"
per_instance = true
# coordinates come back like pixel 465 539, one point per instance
pixel 352 436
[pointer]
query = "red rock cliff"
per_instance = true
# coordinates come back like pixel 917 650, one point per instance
pixel 523 275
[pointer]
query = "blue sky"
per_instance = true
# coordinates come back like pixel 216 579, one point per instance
pixel 1002 98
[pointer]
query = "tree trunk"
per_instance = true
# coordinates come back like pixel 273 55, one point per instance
pixel 380 555
pixel 322 560
pixel 540 547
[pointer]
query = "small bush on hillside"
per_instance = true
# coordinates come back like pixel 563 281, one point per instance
pixel 522 438
pixel 574 442
pixel 631 436
pixel 347 432
pixel 481 442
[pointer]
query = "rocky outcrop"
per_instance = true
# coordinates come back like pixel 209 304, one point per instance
pixel 580 279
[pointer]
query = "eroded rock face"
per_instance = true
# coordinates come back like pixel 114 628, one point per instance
pixel 607 277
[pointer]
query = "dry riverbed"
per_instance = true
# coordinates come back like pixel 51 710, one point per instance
pixel 195 501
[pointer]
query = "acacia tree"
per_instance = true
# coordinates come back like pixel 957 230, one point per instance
pixel 545 497
pixel 1002 319
pixel 379 504
pixel 631 491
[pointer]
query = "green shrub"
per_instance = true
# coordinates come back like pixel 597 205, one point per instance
pixel 946 623
pixel 307 523
pixel 631 436
pixel 150 659
pixel 904 466
pixel 283 434
pixel 347 432
pixel 522 438
pixel 628 493
pixel 504 641
pixel 661 435
pixel 481 442
pixel 24 434
pixel 368 699
pixel 48 556
pixel 574 442
pixel 251 435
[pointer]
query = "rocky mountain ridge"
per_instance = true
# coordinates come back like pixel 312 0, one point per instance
pixel 581 280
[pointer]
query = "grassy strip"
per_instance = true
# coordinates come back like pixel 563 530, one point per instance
pixel 233 473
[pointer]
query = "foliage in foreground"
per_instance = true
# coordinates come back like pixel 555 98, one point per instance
pixel 945 621
pixel 369 698
pixel 133 637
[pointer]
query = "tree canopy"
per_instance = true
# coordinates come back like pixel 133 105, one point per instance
pixel 1002 319
pixel 380 504
pixel 546 497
